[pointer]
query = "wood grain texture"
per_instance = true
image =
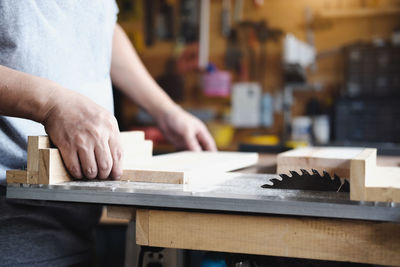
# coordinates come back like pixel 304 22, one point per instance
pixel 34 144
pixel 153 176
pixel 370 182
pixel 16 177
pixel 324 239
pixel 142 227
pixel 333 160
pixel 51 167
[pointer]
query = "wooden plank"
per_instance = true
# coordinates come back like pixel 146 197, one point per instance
pixel 34 144
pixel 333 160
pixel 134 152
pixel 188 161
pixel 323 239
pixel 373 183
pixel 154 176
pixel 16 177
pixel 138 163
pixel 358 171
pixel 51 167
pixel 142 227
pixel 105 219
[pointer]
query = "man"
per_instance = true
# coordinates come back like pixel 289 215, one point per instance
pixel 57 60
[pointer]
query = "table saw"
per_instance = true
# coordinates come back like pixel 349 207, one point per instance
pixel 231 212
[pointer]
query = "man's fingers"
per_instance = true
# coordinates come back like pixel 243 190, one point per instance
pixel 206 141
pixel 88 162
pixel 117 156
pixel 192 143
pixel 104 160
pixel 71 162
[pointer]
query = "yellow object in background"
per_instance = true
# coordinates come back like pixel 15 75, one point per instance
pixel 223 134
pixel 296 144
pixel 267 140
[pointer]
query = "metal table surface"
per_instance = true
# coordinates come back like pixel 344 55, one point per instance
pixel 224 192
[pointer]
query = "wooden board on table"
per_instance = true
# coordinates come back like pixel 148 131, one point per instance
pixel 45 165
pixel 312 238
pixel 334 160
pixel 139 165
pixel 370 182
pixel 179 166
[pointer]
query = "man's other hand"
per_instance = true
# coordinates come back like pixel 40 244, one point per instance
pixel 185 131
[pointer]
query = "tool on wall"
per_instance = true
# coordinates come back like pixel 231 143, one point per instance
pixel 204 38
pixel 226 18
pixel 189 21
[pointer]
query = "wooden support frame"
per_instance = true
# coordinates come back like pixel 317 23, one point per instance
pixel 312 238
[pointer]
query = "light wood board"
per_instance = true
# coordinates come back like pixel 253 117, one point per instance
pixel 334 160
pixel 139 164
pixel 312 238
pixel 372 183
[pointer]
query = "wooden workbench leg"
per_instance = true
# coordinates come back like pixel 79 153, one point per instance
pixel 142 227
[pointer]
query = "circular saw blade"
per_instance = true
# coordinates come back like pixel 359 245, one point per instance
pixel 308 181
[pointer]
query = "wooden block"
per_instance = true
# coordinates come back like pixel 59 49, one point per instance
pixel 34 144
pixel 17 177
pixel 373 183
pixel 142 227
pixel 154 176
pixel 105 219
pixel 51 167
pixel 334 160
pixel 312 238
pixel 138 151
pixel 121 212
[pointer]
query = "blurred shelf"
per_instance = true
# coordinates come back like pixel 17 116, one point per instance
pixel 363 12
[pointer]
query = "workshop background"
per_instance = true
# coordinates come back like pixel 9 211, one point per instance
pixel 275 73
pixel 266 76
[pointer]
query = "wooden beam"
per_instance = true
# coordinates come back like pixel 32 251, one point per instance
pixel 51 167
pixel 312 238
pixel 154 176
pixel 34 144
pixel 16 177
pixel 142 227
pixel 334 160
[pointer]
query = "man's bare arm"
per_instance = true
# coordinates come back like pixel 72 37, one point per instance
pixel 131 77
pixel 85 133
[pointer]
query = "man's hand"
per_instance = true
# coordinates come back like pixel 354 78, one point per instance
pixel 185 131
pixel 131 77
pixel 86 134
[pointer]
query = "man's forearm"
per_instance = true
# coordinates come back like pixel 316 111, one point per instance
pixel 131 77
pixel 25 96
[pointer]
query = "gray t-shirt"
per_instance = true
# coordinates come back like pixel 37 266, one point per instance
pixel 68 42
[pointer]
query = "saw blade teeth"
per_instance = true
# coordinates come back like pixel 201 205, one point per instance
pixel 283 176
pixel 326 175
pixel 315 172
pixel 293 173
pixel 304 172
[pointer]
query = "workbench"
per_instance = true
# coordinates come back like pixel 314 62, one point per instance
pixel 232 213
